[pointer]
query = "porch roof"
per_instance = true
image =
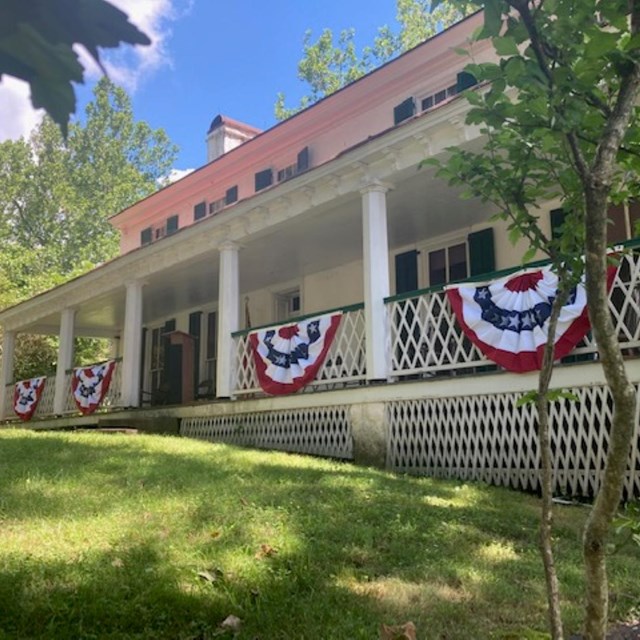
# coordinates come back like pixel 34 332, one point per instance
pixel 304 225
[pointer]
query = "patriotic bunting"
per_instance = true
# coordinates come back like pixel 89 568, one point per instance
pixel 508 319
pixel 26 396
pixel 289 356
pixel 90 385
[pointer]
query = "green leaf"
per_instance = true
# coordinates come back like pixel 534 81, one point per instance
pixel 505 46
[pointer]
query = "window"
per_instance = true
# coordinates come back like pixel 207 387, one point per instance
pixel 264 179
pixel 287 305
pixel 427 103
pixel 441 96
pixel 448 264
pixel 146 236
pixel 200 211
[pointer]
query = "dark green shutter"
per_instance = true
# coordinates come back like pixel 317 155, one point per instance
pixel 231 195
pixel 195 324
pixel 172 224
pixel 464 81
pixel 406 271
pixel 556 217
pixel 199 211
pixel 143 349
pixel 146 236
pixel 404 111
pixel 264 179
pixel 303 160
pixel 481 252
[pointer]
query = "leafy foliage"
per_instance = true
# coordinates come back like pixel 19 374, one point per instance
pixel 327 66
pixel 37 40
pixel 56 196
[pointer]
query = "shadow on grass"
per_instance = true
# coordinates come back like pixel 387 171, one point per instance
pixel 297 548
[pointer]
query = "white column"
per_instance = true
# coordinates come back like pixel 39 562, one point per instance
pixel 6 373
pixel 65 359
pixel 132 349
pixel 376 277
pixel 228 317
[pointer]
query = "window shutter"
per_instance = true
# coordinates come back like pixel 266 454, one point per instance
pixel 464 81
pixel 556 218
pixel 143 367
pixel 406 271
pixel 404 111
pixel 481 252
pixel 232 195
pixel 303 160
pixel 195 324
pixel 172 224
pixel 199 211
pixel 264 179
pixel 146 236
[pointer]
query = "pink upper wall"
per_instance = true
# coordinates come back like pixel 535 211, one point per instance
pixel 336 123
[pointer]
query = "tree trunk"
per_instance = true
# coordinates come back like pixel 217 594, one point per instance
pixel 546 468
pixel 623 425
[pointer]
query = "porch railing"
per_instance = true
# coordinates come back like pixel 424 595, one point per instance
pixel 345 362
pixel 426 339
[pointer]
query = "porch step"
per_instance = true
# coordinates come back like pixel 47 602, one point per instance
pixel 160 424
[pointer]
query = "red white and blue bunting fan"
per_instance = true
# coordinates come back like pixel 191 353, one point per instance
pixel 90 385
pixel 26 395
pixel 508 319
pixel 288 357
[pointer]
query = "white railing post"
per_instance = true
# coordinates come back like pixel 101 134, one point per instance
pixel 65 359
pixel 132 348
pixel 228 317
pixel 6 374
pixel 376 277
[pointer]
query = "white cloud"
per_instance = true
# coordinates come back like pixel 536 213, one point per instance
pixel 17 116
pixel 126 65
pixel 129 65
pixel 176 174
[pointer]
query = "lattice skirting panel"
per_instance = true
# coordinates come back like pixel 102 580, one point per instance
pixel 318 431
pixel 489 438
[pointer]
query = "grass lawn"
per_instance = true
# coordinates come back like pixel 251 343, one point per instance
pixel 104 536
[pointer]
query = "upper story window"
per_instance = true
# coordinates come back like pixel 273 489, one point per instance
pixel 199 211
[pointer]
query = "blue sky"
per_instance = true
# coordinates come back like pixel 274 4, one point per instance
pixel 213 57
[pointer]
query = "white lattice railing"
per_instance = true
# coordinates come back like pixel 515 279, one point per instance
pixel 321 431
pixel 452 438
pixel 345 361
pixel 425 337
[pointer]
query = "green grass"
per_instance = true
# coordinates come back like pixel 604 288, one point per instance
pixel 103 536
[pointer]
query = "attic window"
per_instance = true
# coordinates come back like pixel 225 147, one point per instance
pixel 404 111
pixel 146 236
pixel 440 96
pixel 264 179
pixel 199 211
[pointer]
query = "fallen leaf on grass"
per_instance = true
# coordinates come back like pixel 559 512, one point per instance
pixel 265 551
pixel 212 575
pixel 117 563
pixel 244 502
pixel 216 534
pixel 231 623
pixel 399 632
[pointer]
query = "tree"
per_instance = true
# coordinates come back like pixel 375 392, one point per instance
pixel 37 41
pixel 326 67
pixel 56 196
pixel 560 117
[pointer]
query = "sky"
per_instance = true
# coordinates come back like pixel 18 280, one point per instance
pixel 209 57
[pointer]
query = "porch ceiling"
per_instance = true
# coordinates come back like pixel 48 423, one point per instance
pixel 420 207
